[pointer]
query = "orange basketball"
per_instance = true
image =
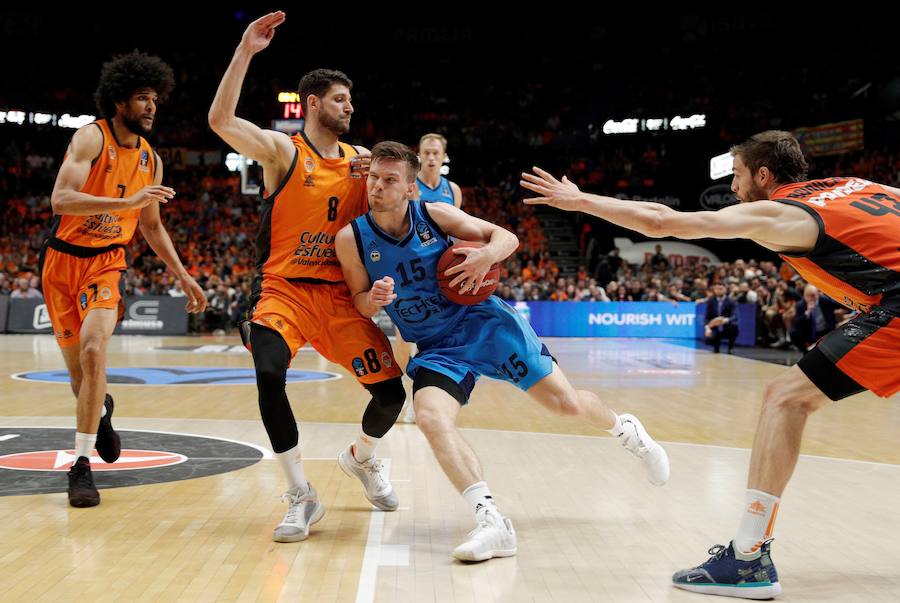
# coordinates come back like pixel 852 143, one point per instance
pixel 469 298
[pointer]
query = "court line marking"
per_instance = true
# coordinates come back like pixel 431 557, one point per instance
pixel 368 574
pixel 332 376
pixel 267 454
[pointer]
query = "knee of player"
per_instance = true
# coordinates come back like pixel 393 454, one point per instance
pixel 388 395
pixel 569 404
pixel 779 396
pixel 431 422
pixel 91 354
pixel 271 376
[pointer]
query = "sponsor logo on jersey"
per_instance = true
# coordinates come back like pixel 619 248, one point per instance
pixel 359 367
pixel 425 234
pixel 374 254
pixel 416 309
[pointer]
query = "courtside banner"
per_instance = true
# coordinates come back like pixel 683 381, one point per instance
pixel 154 315
pixel 682 320
pixel 28 316
pixel 611 319
pixel 148 315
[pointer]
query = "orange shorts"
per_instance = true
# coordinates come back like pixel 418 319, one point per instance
pixel 865 351
pixel 74 286
pixel 324 316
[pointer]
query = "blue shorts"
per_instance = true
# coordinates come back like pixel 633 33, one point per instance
pixel 492 340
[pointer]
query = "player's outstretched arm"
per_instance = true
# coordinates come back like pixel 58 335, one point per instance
pixel 248 139
pixel 777 225
pixel 368 297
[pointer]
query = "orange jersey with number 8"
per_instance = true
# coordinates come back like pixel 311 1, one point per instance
pixel 299 220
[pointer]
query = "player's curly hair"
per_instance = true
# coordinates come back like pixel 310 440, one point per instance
pixel 777 150
pixel 126 73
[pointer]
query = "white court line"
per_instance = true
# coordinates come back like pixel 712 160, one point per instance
pixel 599 437
pixel 267 454
pixel 365 592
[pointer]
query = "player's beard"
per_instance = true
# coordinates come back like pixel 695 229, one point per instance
pixel 135 126
pixel 334 125
pixel 754 194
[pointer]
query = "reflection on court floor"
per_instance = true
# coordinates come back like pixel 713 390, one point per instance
pixel 590 527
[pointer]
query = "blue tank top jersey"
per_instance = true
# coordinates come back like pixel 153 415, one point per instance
pixel 421 311
pixel 443 192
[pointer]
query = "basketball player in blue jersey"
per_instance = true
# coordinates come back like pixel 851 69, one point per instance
pixel 389 257
pixel 431 187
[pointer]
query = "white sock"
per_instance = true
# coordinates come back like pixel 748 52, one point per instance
pixel 478 495
pixel 757 521
pixel 292 465
pixel 84 443
pixel 616 430
pixel 364 447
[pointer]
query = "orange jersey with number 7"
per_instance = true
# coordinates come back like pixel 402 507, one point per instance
pixel 117 172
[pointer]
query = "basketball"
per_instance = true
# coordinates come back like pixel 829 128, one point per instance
pixel 469 298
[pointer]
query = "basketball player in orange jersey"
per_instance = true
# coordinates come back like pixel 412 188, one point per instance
pixel 311 191
pixel 841 235
pixel 108 185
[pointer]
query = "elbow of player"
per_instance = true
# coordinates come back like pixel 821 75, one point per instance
pixel 56 203
pixel 656 225
pixel 216 120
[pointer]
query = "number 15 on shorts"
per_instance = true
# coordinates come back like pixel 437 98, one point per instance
pixel 514 369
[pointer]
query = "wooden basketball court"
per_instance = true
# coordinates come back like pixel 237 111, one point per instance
pixel 590 527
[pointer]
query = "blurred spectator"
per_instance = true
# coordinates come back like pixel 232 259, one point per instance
pixel 659 261
pixel 721 320
pixel 814 318
pixel 24 290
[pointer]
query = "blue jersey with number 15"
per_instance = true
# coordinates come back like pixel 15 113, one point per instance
pixel 420 311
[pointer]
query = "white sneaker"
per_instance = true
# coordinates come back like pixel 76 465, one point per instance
pixel 638 442
pixel 494 537
pixel 378 490
pixel 304 509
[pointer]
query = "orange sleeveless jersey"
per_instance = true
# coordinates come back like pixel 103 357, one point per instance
pixel 856 260
pixel 298 222
pixel 117 172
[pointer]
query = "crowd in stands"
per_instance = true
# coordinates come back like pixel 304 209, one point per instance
pixel 213 227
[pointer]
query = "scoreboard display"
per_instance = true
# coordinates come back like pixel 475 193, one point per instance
pixel 289 113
